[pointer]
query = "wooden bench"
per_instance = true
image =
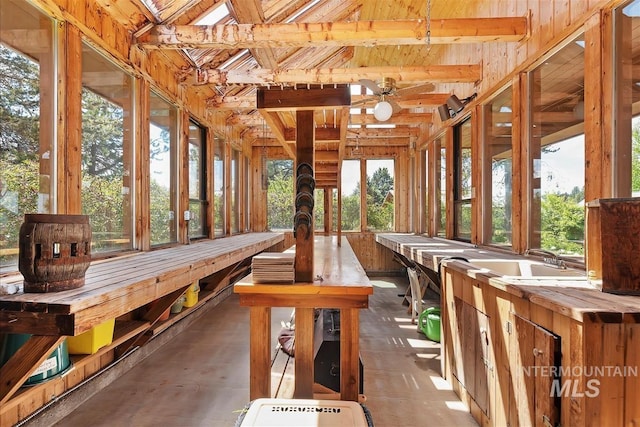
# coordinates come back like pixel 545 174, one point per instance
pixel 115 287
pixel 344 286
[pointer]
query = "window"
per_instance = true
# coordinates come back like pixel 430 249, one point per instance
pixel 380 196
pixel 280 206
pixel 462 184
pixel 318 210
pixel 218 186
pixel 197 173
pixel 107 147
pixel 499 168
pixel 558 151
pixel 163 153
pixel 350 183
pixel 235 191
pixel 627 105
pixel 27 88
pixel 440 188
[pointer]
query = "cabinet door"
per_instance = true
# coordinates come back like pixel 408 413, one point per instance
pixel 539 353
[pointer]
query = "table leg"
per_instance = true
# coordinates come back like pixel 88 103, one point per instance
pixel 304 375
pixel 349 354
pixel 259 352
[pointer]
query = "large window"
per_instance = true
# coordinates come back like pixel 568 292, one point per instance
pixel 557 151
pixel 27 89
pixel 350 183
pixel 197 173
pixel 280 200
pixel 380 195
pixel 163 154
pixel 318 209
pixel 440 188
pixel 235 191
pixel 462 176
pixel 218 186
pixel 499 168
pixel 627 105
pixel 107 147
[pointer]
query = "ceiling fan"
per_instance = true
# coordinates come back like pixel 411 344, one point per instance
pixel 386 91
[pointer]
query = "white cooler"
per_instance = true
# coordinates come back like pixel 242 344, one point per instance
pixel 304 413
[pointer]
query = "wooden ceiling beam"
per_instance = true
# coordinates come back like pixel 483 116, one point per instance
pixel 355 33
pixel 248 102
pixel 463 73
pixel 248 12
pixel 303 99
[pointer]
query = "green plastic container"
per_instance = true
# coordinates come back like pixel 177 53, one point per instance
pixel 56 364
pixel 429 323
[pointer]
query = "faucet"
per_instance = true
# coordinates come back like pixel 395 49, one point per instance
pixel 548 257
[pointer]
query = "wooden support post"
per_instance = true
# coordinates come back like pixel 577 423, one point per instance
pixel 349 357
pixel 304 374
pixel 304 155
pixel 260 360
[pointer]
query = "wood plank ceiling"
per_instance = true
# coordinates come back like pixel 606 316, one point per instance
pixel 287 44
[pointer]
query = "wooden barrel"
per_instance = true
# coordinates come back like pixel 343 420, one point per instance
pixel 55 251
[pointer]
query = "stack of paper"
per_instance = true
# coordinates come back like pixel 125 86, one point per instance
pixel 273 267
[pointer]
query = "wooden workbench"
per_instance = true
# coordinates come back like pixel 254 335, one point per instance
pixel 344 286
pixel 113 287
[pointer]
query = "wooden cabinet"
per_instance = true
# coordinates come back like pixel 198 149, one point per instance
pixel 535 379
pixel 539 354
pixel 473 361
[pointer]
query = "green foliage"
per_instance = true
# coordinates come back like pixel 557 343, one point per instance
pixel 102 136
pixel 162 223
pixel 350 211
pixel 19 106
pixel 563 223
pixel 280 207
pixel 18 195
pixel 380 200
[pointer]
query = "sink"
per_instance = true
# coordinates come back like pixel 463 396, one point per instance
pixel 525 268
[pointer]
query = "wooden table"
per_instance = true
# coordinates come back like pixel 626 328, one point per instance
pixel 344 286
pixel 112 288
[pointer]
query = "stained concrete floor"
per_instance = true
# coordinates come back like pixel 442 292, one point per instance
pixel 201 376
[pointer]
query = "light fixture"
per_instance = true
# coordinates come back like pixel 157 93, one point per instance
pixel 445 114
pixel 382 111
pixel 455 104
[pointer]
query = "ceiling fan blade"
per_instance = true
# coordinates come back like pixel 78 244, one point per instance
pixel 363 101
pixel 426 87
pixel 394 105
pixel 371 85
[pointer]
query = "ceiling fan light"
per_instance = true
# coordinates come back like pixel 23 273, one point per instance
pixel 382 111
pixel 455 104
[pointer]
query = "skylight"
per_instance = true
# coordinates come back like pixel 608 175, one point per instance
pixel 215 16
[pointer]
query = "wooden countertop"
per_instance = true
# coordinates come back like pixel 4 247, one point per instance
pixel 118 285
pixel 573 297
pixel 338 266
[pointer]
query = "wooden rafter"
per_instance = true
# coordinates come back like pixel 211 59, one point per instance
pixel 465 73
pixel 278 129
pixel 401 118
pixel 250 11
pixel 358 33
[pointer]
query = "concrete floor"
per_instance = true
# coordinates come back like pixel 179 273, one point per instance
pixel 201 378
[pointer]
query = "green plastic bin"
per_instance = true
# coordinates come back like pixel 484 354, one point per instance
pixel 56 364
pixel 429 323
